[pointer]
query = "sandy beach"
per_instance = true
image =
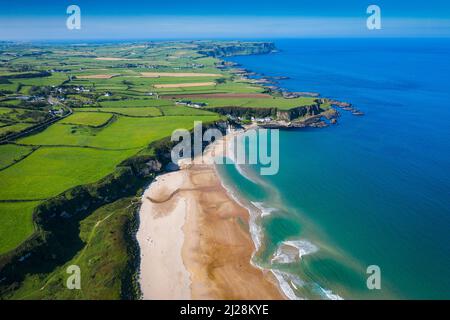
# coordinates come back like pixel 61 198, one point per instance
pixel 195 241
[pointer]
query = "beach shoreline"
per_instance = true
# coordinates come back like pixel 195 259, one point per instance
pixel 195 238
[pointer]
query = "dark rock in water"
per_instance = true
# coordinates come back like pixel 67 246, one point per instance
pixel 333 121
pixel 273 88
pixel 319 124
pixel 340 104
pixel 281 78
pixel 293 95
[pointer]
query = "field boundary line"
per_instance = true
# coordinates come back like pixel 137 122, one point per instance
pixel 23 158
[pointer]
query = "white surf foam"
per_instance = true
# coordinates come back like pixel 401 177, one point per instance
pixel 285 254
pixel 265 211
pixel 285 282
pixel 330 295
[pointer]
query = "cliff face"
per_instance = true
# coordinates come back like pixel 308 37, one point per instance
pixel 245 111
pixel 283 115
pixel 298 112
pixel 237 48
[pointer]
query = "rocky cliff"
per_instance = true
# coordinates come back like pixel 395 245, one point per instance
pixel 294 113
pixel 227 49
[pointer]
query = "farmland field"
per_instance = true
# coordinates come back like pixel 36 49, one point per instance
pixel 94 119
pixel 16 127
pixel 183 111
pixel 135 103
pixel 124 133
pixel 49 171
pixel 130 111
pixel 280 103
pixel 10 153
pixel 16 223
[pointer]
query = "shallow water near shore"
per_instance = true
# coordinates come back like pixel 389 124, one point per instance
pixel 372 190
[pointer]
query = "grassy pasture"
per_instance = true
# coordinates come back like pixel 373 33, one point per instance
pixel 12 102
pixel 280 103
pixel 94 119
pixel 54 80
pixel 134 112
pixel 15 223
pixel 174 80
pixel 180 74
pixel 184 111
pixel 21 115
pixel 17 127
pixel 10 153
pixel 136 103
pixel 49 171
pixel 227 87
pixel 124 133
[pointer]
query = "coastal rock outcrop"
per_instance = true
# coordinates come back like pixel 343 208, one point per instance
pixel 236 49
pixel 298 112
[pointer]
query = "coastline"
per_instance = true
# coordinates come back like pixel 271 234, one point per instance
pixel 195 238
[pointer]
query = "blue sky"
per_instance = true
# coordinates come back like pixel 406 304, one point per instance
pixel 139 19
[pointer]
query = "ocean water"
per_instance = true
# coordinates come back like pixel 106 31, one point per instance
pixel 372 190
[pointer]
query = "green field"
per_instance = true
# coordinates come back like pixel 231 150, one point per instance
pixel 10 153
pixel 129 111
pixel 11 114
pixel 124 133
pixel 93 119
pixel 16 223
pixel 14 128
pixel 49 171
pixel 183 111
pixel 279 103
pixel 136 103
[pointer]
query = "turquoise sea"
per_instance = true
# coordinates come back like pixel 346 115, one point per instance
pixel 372 190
